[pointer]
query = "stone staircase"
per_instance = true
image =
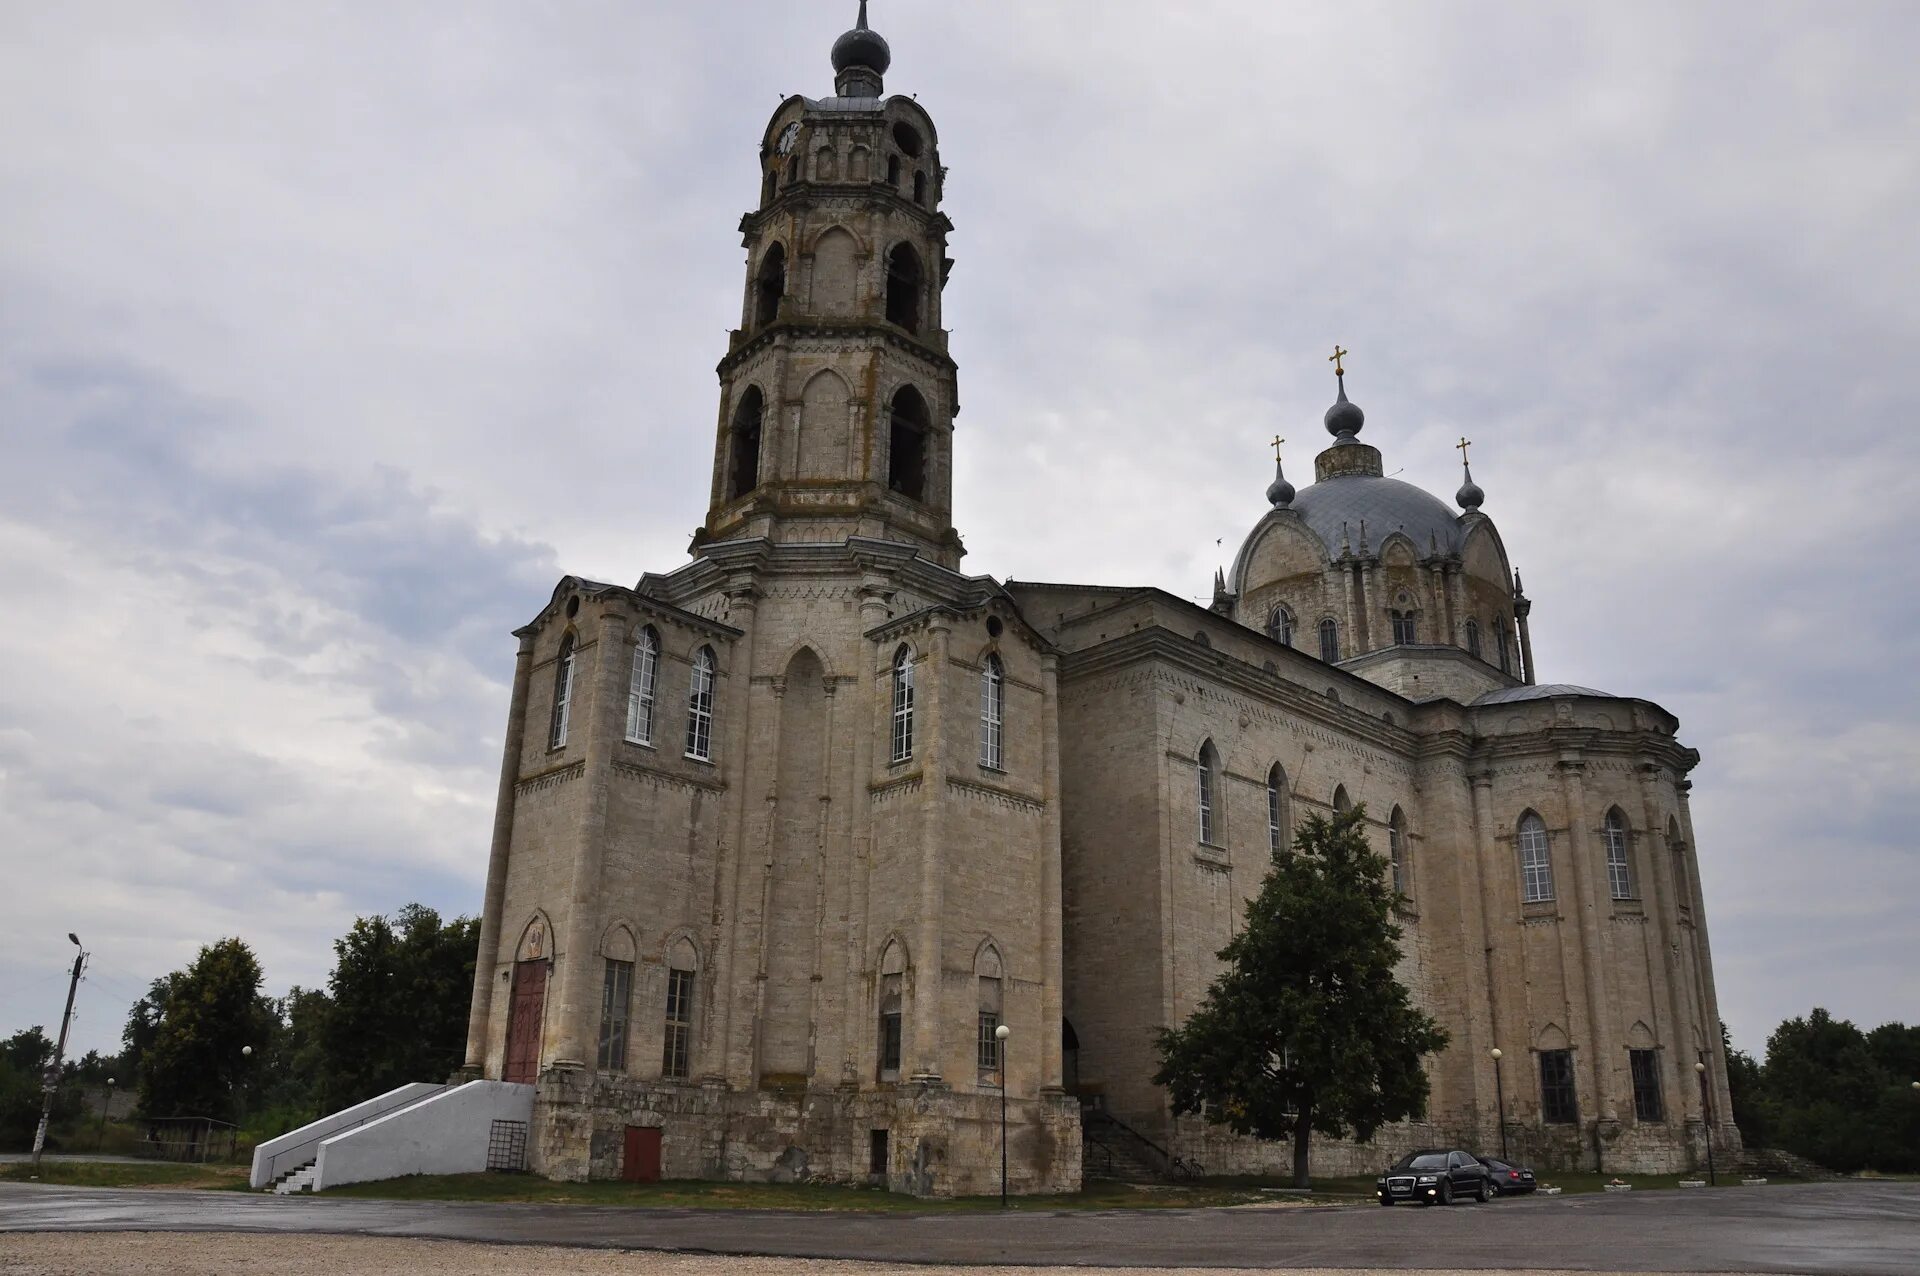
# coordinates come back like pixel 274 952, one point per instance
pixel 298 1180
pixel 1112 1150
pixel 1779 1163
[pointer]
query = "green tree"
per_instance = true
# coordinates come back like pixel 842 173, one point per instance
pixel 24 1058
pixel 1307 1028
pixel 1746 1082
pixel 143 1024
pixel 194 1064
pixel 1825 1084
pixel 400 990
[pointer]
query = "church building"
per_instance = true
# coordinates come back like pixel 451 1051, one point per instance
pixel 815 854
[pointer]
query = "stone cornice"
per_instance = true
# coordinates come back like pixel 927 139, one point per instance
pixel 784 330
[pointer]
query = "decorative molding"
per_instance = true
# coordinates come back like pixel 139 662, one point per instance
pixel 901 784
pixel 1011 799
pixel 660 779
pixel 552 779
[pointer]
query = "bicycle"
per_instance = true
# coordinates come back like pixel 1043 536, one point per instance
pixel 1181 1170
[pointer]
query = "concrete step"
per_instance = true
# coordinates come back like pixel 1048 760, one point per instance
pixel 300 1180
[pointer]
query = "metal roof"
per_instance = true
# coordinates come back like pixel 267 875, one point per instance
pixel 1334 508
pixel 1547 691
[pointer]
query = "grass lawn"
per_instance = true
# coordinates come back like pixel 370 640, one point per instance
pixel 120 1174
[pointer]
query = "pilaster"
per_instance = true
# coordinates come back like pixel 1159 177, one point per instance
pixel 484 984
pixel 929 1010
pixel 1593 960
pixel 1052 961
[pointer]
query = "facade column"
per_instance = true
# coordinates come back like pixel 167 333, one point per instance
pixel 1703 971
pixel 1669 1000
pixel 1454 809
pixel 738 752
pixel 579 998
pixel 1352 644
pixel 488 957
pixel 1052 963
pixel 860 961
pixel 1457 598
pixel 930 983
pixel 1494 922
pixel 1593 955
pixel 1369 597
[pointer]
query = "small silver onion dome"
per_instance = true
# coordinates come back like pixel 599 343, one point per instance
pixel 862 47
pixel 1279 492
pixel 1469 497
pixel 1344 418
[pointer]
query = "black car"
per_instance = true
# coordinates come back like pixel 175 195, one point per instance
pixel 1434 1176
pixel 1509 1179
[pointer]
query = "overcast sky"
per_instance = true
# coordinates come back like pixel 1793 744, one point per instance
pixel 332 335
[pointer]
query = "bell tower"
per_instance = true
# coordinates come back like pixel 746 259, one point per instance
pixel 837 395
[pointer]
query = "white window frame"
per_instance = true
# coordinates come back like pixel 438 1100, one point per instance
pixel 1397 854
pixel 1619 866
pixel 641 685
pixel 562 696
pixel 902 749
pixel 1280 625
pixel 1274 832
pixel 993 681
pixel 1536 860
pixel 1473 638
pixel 1208 794
pixel 700 707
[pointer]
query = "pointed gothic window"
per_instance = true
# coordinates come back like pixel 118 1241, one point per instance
pixel 1536 863
pixel 1473 639
pixel 905 282
pixel 993 679
pixel 640 687
pixel 676 1043
pixel 903 703
pixel 1330 641
pixel 1280 626
pixel 1209 776
pixel 1276 814
pixel 743 470
pixel 1397 853
pixel 700 708
pixel 907 445
pixel 1341 802
pixel 771 285
pixel 1619 869
pixel 616 993
pixel 562 695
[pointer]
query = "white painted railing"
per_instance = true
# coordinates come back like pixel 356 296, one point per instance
pixel 295 1148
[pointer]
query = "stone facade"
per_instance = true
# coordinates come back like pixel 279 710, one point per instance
pixel 783 834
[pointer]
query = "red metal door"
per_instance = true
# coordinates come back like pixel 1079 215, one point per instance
pixel 523 1021
pixel 642 1161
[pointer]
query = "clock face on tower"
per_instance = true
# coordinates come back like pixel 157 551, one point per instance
pixel 788 136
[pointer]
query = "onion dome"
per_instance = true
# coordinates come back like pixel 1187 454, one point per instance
pixel 1279 492
pixel 1469 497
pixel 862 47
pixel 1344 418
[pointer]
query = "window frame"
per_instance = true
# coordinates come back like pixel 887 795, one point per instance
pixel 1616 836
pixel 1276 827
pixel 1406 628
pixel 1643 1067
pixel 676 1040
pixel 993 699
pixel 901 717
pixel 616 1011
pixel 1330 640
pixel 1398 860
pixel 562 717
pixel 643 681
pixel 700 707
pixel 1559 1094
pixel 1209 793
pixel 1280 624
pixel 1473 638
pixel 1535 847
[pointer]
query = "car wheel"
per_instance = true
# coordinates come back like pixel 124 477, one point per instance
pixel 1446 1191
pixel 1480 1192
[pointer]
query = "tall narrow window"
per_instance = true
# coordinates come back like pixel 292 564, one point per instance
pixel 919 188
pixel 993 680
pixel 616 992
pixel 1330 641
pixel 562 695
pixel 1473 639
pixel 743 456
pixel 1397 853
pixel 1276 828
pixel 640 686
pixel 700 707
pixel 676 1049
pixel 1557 1105
pixel 902 704
pixel 1536 865
pixel 909 426
pixel 1404 631
pixel 1647 1104
pixel 1619 870
pixel 1506 656
pixel 1208 776
pixel 905 280
pixel 1341 802
pixel 771 285
pixel 889 1044
pixel 986 1039
pixel 1280 626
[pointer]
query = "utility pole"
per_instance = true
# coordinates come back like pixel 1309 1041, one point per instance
pixel 52 1081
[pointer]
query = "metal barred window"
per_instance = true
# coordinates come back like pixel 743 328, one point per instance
pixel 615 994
pixel 700 708
pixel 562 695
pixel 1619 872
pixel 1404 629
pixel 1557 1102
pixel 988 1052
pixel 902 704
pixel 1536 866
pixel 1647 1103
pixel 640 686
pixel 992 707
pixel 676 1054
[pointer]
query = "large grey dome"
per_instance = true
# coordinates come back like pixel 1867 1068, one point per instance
pixel 1335 507
pixel 862 47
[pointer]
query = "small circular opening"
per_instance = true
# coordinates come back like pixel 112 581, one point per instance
pixel 907 140
pixel 573 607
pixel 994 626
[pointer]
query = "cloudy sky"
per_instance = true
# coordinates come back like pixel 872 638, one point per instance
pixel 331 335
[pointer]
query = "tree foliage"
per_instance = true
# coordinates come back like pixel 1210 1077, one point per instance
pixel 192 1060
pixel 24 1058
pixel 1834 1094
pixel 1307 1029
pixel 400 990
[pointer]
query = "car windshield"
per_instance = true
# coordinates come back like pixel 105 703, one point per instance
pixel 1423 1161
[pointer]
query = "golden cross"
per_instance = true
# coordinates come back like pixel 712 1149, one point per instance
pixel 1335 358
pixel 1463 445
pixel 1277 441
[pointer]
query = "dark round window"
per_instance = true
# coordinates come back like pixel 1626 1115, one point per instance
pixel 994 626
pixel 907 140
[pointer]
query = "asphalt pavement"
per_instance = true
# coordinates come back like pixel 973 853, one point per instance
pixel 1856 1229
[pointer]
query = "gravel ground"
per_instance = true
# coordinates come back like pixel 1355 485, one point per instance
pixel 215 1254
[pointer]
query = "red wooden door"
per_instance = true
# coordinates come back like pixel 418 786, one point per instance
pixel 641 1164
pixel 523 1021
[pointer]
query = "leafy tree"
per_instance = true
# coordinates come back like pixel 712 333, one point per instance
pixel 24 1058
pixel 1746 1082
pixel 291 1082
pixel 400 989
pixel 1307 1029
pixel 193 1064
pixel 1826 1084
pixel 143 1023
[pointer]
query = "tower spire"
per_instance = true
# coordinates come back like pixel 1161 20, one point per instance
pixel 1469 497
pixel 1279 492
pixel 860 58
pixel 1344 418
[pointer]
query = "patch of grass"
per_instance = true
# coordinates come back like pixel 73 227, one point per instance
pixel 120 1174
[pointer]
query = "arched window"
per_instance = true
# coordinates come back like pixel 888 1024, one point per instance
pixel 902 703
pixel 1473 639
pixel 700 707
pixel 993 679
pixel 907 444
pixel 893 965
pixel 1280 626
pixel 743 468
pixel 1404 629
pixel 1330 641
pixel 919 188
pixel 676 1045
pixel 1209 776
pixel 640 687
pixel 562 694
pixel 1397 853
pixel 1276 809
pixel 987 973
pixel 771 285
pixel 1500 636
pixel 893 171
pixel 1619 868
pixel 1536 864
pixel 1341 802
pixel 905 279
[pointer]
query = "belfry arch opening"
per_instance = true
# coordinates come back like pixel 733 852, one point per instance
pixel 906 280
pixel 770 286
pixel 910 424
pixel 743 466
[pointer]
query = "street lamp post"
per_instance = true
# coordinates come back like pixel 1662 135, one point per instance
pixel 52 1081
pixel 1000 1036
pixel 106 1110
pixel 1500 1097
pixel 1706 1110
